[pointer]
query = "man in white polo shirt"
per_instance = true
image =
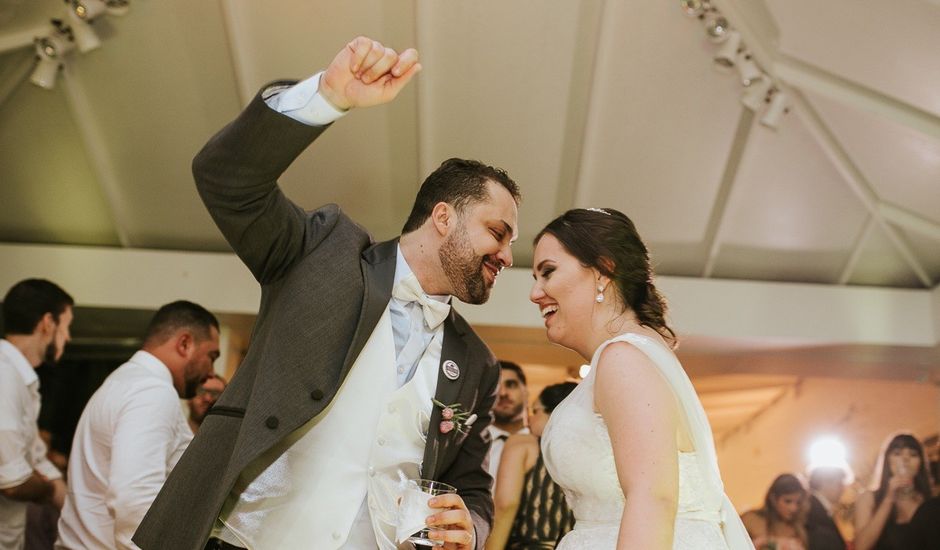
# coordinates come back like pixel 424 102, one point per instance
pixel 36 315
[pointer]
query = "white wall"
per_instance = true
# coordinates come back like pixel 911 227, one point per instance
pixel 741 310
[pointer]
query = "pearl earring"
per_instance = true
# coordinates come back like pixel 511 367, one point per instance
pixel 600 294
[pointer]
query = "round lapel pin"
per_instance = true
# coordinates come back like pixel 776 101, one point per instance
pixel 451 370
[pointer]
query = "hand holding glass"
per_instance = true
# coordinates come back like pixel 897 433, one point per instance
pixel 413 510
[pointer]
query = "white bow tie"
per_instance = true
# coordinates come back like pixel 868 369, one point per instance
pixel 409 290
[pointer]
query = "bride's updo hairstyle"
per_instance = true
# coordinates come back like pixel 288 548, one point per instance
pixel 606 240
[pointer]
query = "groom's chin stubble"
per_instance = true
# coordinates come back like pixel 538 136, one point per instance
pixel 477 294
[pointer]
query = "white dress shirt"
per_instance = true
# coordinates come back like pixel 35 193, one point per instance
pixel 21 449
pixel 303 102
pixel 407 322
pixel 498 436
pixel 131 434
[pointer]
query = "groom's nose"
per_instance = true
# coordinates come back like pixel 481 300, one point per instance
pixel 505 256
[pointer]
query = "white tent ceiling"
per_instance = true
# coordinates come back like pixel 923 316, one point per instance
pixel 587 103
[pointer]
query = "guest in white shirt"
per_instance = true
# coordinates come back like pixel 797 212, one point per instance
pixel 133 431
pixel 509 412
pixel 37 315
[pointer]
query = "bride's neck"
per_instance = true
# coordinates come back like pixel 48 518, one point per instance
pixel 610 326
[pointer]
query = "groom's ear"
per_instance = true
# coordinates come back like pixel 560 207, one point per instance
pixel 443 217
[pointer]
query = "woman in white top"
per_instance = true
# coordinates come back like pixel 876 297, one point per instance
pixel 631 446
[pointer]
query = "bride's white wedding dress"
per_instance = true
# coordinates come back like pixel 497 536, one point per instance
pixel 579 457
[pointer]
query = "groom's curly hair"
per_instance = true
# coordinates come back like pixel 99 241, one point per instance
pixel 460 183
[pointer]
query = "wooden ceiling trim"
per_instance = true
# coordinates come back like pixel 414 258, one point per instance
pixel 909 220
pixel 729 176
pixel 857 249
pixel 803 75
pixel 237 52
pixel 580 102
pixel 856 181
pixel 21 39
pixel 98 154
pixel 806 76
pixel 16 76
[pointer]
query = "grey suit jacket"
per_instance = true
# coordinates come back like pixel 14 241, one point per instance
pixel 324 287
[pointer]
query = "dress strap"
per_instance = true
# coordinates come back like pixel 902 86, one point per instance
pixel 693 416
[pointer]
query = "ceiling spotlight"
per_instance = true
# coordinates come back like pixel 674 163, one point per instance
pixel 56 44
pixel 776 110
pixel 44 74
pixel 85 36
pixel 49 53
pixel 692 8
pixel 87 10
pixel 716 27
pixel 728 52
pixel 748 70
pixel 757 94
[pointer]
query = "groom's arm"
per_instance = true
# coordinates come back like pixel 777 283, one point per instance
pixel 236 175
pixel 236 172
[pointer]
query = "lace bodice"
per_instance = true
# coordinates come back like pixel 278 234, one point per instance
pixel 579 456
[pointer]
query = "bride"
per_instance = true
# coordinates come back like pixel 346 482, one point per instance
pixel 631 446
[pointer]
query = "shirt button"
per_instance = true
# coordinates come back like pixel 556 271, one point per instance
pixel 391 408
pixel 371 471
pixel 381 441
pixel 271 422
pixel 316 395
pixel 401 370
pixel 336 535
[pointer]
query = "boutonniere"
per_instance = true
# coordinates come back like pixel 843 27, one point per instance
pixel 454 417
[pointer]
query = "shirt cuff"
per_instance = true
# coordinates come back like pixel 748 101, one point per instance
pixel 303 103
pixel 47 469
pixel 14 473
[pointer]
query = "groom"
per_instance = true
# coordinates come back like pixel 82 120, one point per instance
pixel 354 341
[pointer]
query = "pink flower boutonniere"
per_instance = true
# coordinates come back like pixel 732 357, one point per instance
pixel 454 417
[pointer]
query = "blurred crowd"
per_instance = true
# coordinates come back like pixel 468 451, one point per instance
pixel 134 428
pixel 900 510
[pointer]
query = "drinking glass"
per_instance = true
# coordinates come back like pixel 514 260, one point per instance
pixel 413 510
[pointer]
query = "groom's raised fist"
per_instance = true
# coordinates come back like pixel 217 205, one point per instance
pixel 366 73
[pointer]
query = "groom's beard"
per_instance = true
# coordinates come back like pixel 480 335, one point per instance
pixel 463 269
